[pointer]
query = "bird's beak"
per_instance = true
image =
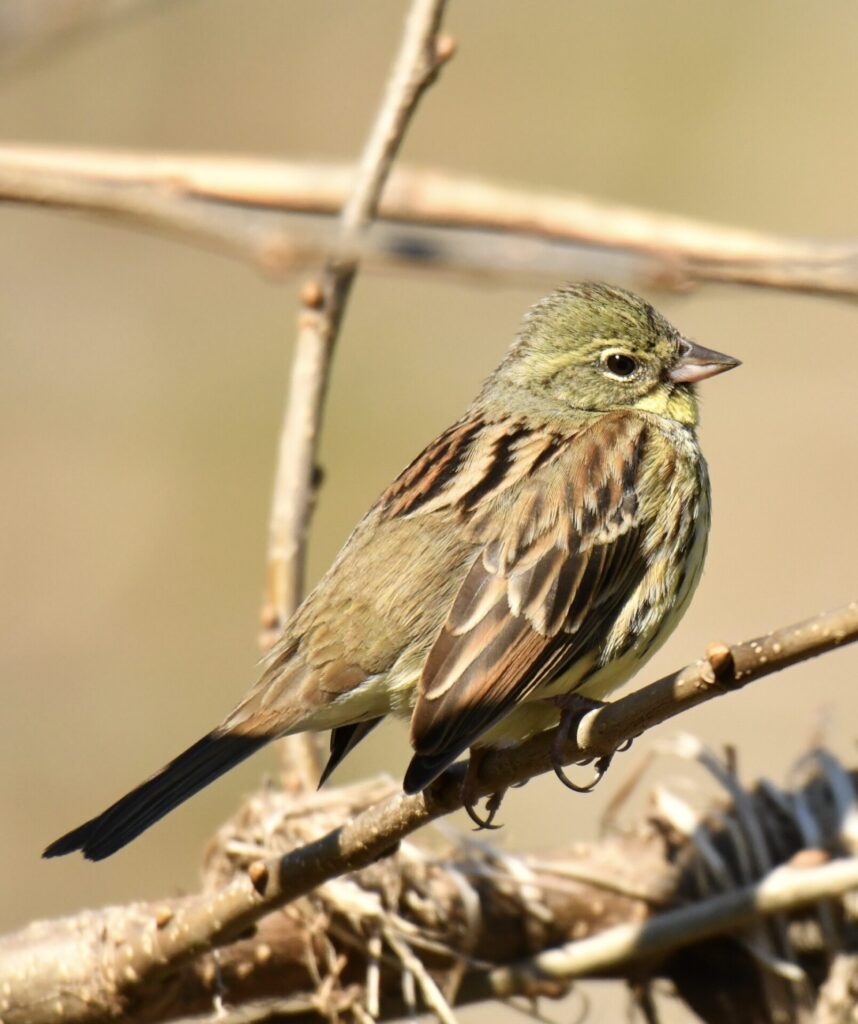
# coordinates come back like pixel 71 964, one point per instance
pixel 697 363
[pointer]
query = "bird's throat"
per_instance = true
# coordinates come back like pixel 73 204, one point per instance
pixel 677 403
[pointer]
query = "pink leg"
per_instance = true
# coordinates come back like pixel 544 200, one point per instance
pixel 470 792
pixel 573 706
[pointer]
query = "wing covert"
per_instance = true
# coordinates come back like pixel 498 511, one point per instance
pixel 555 568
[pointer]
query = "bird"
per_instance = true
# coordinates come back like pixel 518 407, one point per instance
pixel 535 554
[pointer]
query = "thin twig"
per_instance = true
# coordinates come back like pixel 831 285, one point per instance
pixel 420 55
pixel 323 306
pixel 432 995
pixel 237 205
pixel 367 836
pixel 785 888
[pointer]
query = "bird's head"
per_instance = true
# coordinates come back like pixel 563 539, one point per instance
pixel 598 348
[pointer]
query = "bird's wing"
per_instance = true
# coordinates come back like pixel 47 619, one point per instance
pixel 556 565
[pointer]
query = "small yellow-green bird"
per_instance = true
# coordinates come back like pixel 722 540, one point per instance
pixel 538 551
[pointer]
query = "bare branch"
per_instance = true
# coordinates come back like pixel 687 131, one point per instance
pixel 237 205
pixel 468 922
pixel 323 305
pixel 219 918
pixel 787 888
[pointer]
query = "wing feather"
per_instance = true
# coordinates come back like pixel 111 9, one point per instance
pixel 556 565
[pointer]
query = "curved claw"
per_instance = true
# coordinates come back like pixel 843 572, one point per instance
pixel 602 765
pixel 569 784
pixel 486 822
pixel 470 793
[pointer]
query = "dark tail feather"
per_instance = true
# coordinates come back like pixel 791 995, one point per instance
pixel 343 741
pixel 187 774
pixel 425 768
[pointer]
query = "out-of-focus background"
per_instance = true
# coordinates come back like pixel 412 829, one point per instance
pixel 142 380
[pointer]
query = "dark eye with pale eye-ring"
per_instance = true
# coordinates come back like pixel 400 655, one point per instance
pixel 620 365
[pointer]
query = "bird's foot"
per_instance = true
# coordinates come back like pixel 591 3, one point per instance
pixel 573 707
pixel 470 793
pixel 600 766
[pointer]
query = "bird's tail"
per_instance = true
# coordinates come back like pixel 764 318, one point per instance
pixel 199 765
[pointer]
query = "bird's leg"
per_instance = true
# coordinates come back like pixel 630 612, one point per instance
pixel 470 792
pixel 573 706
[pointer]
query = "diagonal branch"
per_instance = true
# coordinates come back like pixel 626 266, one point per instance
pixel 420 56
pixel 324 303
pixel 469 922
pixel 237 205
pixel 212 921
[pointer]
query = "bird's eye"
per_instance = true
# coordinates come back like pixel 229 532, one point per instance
pixel 620 365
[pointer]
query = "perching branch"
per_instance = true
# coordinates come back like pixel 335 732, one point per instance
pixel 455 223
pixel 469 922
pixel 218 918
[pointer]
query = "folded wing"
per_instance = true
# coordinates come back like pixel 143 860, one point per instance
pixel 560 558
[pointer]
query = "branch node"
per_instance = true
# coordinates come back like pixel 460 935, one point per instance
pixel 163 916
pixel 312 295
pixel 445 49
pixel 720 658
pixel 269 617
pixel 258 874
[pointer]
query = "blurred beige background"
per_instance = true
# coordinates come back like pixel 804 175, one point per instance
pixel 142 380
